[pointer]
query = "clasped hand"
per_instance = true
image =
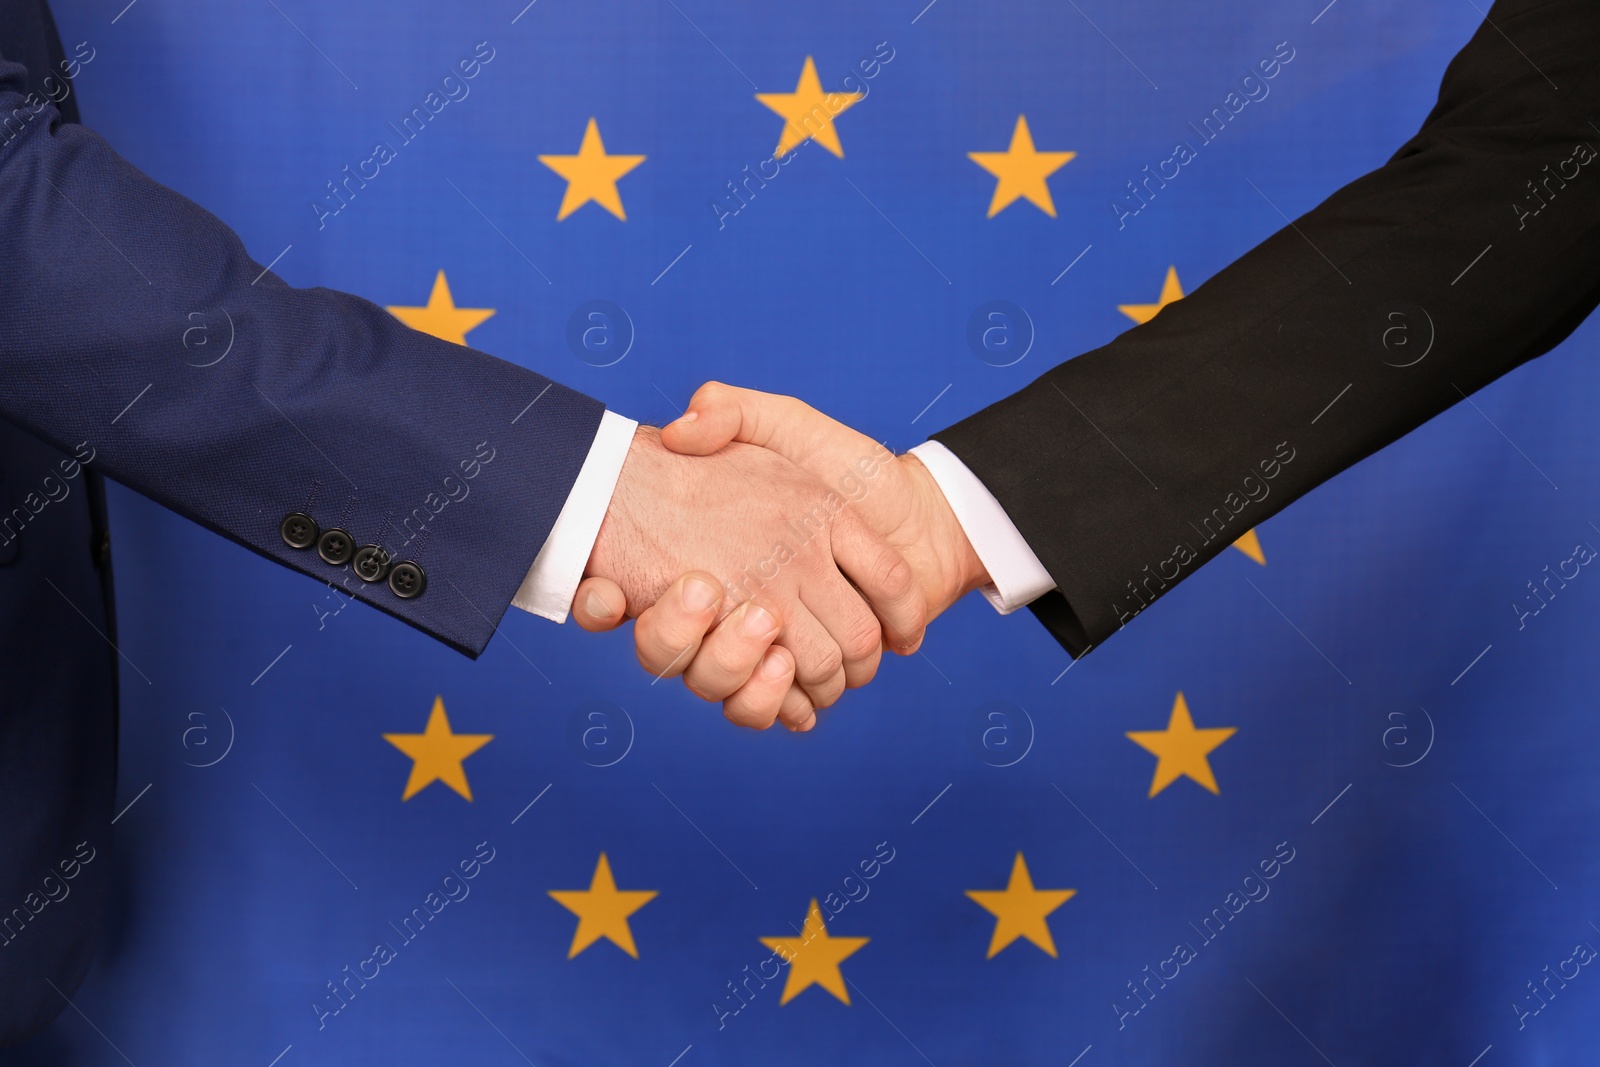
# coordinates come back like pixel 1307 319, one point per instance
pixel 770 555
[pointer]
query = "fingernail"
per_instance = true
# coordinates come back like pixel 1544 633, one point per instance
pixel 698 595
pixel 773 666
pixel 689 416
pixel 595 604
pixel 758 621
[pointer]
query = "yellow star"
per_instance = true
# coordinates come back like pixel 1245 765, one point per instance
pixel 603 910
pixel 810 112
pixel 1170 291
pixel 437 753
pixel 1180 749
pixel 591 175
pixel 441 318
pixel 1022 171
pixel 814 957
pixel 1020 910
pixel 1250 545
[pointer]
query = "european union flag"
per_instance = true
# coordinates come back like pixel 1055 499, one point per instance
pixel 1331 803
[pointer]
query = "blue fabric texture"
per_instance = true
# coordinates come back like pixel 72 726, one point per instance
pixel 1384 853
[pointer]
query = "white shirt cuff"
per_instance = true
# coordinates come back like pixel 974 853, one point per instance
pixel 1016 576
pixel 553 579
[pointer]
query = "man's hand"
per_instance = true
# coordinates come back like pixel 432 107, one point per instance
pixel 896 495
pixel 787 550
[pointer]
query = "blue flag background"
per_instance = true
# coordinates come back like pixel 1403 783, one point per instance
pixel 1397 865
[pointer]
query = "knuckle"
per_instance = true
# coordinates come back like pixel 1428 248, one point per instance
pixel 732 661
pixel 824 695
pixel 659 651
pixel 820 665
pixel 649 660
pixel 825 687
pixel 644 642
pixel 706 684
pixel 652 650
pixel 863 639
pixel 861 675
pixel 796 706
pixel 893 574
pixel 741 713
pixel 674 634
pixel 714 393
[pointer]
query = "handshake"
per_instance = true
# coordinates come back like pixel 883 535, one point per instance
pixel 770 555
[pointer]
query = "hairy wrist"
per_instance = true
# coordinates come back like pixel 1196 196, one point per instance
pixel 615 554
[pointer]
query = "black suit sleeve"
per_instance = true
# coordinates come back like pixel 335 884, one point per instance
pixel 1129 466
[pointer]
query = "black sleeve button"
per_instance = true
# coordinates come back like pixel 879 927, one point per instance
pixel 298 530
pixel 335 546
pixel 406 580
pixel 371 563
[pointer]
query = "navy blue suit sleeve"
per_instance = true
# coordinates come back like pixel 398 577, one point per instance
pixel 324 403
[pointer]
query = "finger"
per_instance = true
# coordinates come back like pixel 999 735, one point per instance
pixel 796 713
pixel 819 665
pixel 759 702
pixel 721 413
pixel 884 578
pixel 599 605
pixel 712 419
pixel 850 623
pixel 669 632
pixel 731 652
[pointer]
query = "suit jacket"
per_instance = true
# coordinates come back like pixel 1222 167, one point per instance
pixel 1474 249
pixel 326 414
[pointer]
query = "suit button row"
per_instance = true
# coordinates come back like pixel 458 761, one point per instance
pixel 370 562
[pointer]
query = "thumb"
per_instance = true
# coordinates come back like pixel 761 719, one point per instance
pixel 718 414
pixel 599 605
pixel 721 413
